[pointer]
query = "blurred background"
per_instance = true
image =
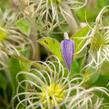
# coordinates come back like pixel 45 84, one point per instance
pixel 16 25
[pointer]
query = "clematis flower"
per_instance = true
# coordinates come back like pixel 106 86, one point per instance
pixel 11 39
pixel 67 49
pixel 44 6
pixel 50 88
pixel 51 10
pixel 98 42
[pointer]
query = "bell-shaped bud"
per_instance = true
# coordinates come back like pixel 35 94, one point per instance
pixel 67 49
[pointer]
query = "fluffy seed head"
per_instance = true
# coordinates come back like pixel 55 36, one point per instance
pixel 98 41
pixel 52 87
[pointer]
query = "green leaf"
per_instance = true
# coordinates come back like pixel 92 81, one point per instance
pixel 104 70
pixel 78 38
pixel 3 83
pixel 24 66
pixel 13 68
pixel 87 13
pixel 23 25
pixel 82 32
pixel 3 34
pixel 52 45
pixel 91 75
pixel 75 67
pixel 102 3
pixel 5 86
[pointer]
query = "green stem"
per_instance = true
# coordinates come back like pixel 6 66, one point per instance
pixel 33 37
pixel 35 46
pixel 86 58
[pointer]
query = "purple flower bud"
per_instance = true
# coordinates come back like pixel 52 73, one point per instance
pixel 67 49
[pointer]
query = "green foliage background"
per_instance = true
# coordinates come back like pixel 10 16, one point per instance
pixel 49 44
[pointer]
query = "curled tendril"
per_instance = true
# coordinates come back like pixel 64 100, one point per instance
pixel 52 13
pixel 97 39
pixel 15 41
pixel 53 88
